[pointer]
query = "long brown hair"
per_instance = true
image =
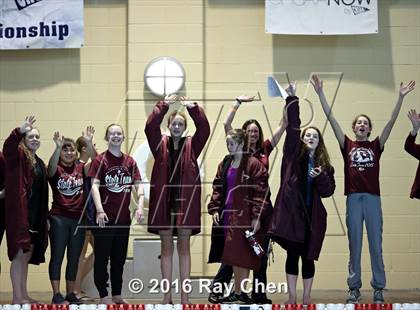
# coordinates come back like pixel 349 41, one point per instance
pixel 259 143
pixel 321 154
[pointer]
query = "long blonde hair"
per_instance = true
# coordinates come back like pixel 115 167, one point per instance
pixel 30 157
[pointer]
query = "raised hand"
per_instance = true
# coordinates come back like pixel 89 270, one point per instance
pixel 415 120
pixel 291 89
pixel 185 101
pixel 317 84
pixel 89 133
pixel 27 124
pixel 58 140
pixel 171 98
pixel 245 98
pixel 405 89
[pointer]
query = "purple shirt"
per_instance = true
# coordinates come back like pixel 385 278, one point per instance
pixel 230 183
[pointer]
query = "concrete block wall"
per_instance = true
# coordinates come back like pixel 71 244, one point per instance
pixel 225 52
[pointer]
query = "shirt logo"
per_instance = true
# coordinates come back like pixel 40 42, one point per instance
pixel 361 158
pixel 70 185
pixel 118 180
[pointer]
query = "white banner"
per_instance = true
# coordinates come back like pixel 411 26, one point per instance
pixel 41 24
pixel 321 17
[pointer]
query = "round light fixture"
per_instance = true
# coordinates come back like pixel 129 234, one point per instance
pixel 164 75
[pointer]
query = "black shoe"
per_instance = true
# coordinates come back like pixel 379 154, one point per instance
pixel 234 298
pixel 58 299
pixel 72 299
pixel 214 298
pixel 261 300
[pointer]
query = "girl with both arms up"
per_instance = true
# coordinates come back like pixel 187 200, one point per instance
pixel 67 176
pixel 361 185
pixel 175 192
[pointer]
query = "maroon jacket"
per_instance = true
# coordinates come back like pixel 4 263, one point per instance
pixel 18 184
pixel 250 199
pixel 290 219
pixel 189 216
pixel 414 149
pixel 2 171
pixel 2 219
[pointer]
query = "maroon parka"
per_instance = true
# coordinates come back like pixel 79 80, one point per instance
pixel 289 220
pixel 250 201
pixel 189 215
pixel 2 219
pixel 414 149
pixel 18 184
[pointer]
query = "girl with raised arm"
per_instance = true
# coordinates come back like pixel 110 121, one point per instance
pixel 26 204
pixel 299 219
pixel 361 186
pixel 66 177
pixel 261 150
pixel 237 204
pixel 414 149
pixel 114 175
pixel 175 191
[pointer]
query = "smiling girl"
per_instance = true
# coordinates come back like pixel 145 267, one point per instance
pixel 175 191
pixel 26 205
pixel 114 175
pixel 361 186
pixel 66 177
pixel 299 218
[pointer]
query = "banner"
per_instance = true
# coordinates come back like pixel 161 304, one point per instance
pixel 321 17
pixel 41 24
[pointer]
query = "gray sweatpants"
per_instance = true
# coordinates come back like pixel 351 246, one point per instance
pixel 365 207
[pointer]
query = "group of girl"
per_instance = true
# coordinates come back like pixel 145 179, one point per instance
pixel 240 200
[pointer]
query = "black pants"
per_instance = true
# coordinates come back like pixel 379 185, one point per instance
pixel 111 243
pixel 225 273
pixel 294 252
pixel 64 233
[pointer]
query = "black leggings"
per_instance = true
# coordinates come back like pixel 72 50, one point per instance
pixel 294 251
pixel 64 233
